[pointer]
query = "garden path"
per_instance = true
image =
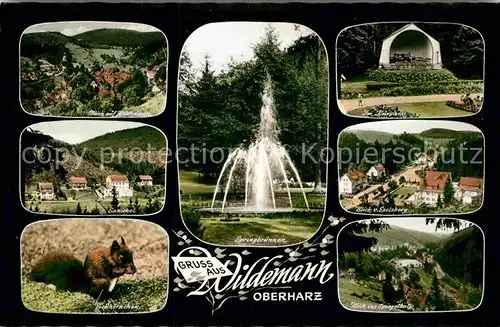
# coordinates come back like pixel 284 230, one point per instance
pixel 351 104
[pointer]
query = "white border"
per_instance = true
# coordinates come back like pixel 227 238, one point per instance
pixel 411 215
pixel 94 117
pixel 22 181
pixel 413 312
pixel 327 140
pixel 406 22
pixel 102 219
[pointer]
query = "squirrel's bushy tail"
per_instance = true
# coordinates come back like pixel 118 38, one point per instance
pixel 62 270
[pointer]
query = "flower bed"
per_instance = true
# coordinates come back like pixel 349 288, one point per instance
pixel 388 111
pixel 462 106
pixel 394 89
pixel 417 76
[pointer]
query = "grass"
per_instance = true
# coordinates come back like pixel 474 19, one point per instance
pixel 423 109
pixel 347 289
pixel 139 296
pixel 189 182
pixel 88 203
pixel 152 106
pixel 287 231
pixel 405 191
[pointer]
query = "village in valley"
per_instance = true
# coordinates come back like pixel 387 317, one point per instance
pixel 440 171
pixel 110 69
pixel 78 178
pixel 410 264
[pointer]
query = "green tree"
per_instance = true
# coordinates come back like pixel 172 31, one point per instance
pixel 435 300
pixel 388 292
pixel 161 74
pixel 83 93
pixel 78 209
pixel 137 206
pixel 131 96
pixel 439 201
pixel 95 211
pixel 448 192
pixel 402 180
pixel 130 207
pixel 139 82
pixel 115 203
pixel 392 185
pixel 414 277
pixel 111 105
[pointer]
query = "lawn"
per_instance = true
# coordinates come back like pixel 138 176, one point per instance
pixel 189 182
pixel 424 109
pixel 152 106
pixel 348 288
pixel 287 230
pixel 140 296
pixel 404 192
pixel 87 199
pixel 87 203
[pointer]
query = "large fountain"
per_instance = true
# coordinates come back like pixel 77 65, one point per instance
pixel 263 171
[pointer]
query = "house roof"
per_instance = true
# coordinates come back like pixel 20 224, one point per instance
pixel 111 77
pixel 435 180
pixel 471 183
pixel 118 178
pixel 46 186
pixel 379 167
pixel 78 180
pixel 355 175
pixel 145 178
pixel 406 27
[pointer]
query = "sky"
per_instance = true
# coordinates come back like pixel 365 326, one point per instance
pixel 412 126
pixel 73 28
pixel 221 41
pixel 416 223
pixel 77 131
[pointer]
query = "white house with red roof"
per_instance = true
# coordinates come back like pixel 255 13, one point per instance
pixel 432 187
pixel 144 180
pixel 77 183
pixel 120 183
pixel 377 170
pixel 468 189
pixel 46 191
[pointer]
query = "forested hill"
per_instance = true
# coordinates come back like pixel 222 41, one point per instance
pixel 372 136
pixel 448 133
pixel 143 138
pixel 120 37
pixel 461 256
pixel 397 236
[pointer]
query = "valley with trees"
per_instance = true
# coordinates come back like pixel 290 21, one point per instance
pixel 385 267
pixel 219 111
pixel 432 171
pixel 120 172
pixel 101 72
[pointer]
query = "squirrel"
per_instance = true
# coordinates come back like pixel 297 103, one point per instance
pixel 96 276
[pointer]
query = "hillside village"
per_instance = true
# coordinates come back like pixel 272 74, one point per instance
pixel 420 275
pixel 84 185
pixel 419 185
pixel 105 72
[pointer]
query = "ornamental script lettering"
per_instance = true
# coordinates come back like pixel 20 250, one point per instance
pixel 245 277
